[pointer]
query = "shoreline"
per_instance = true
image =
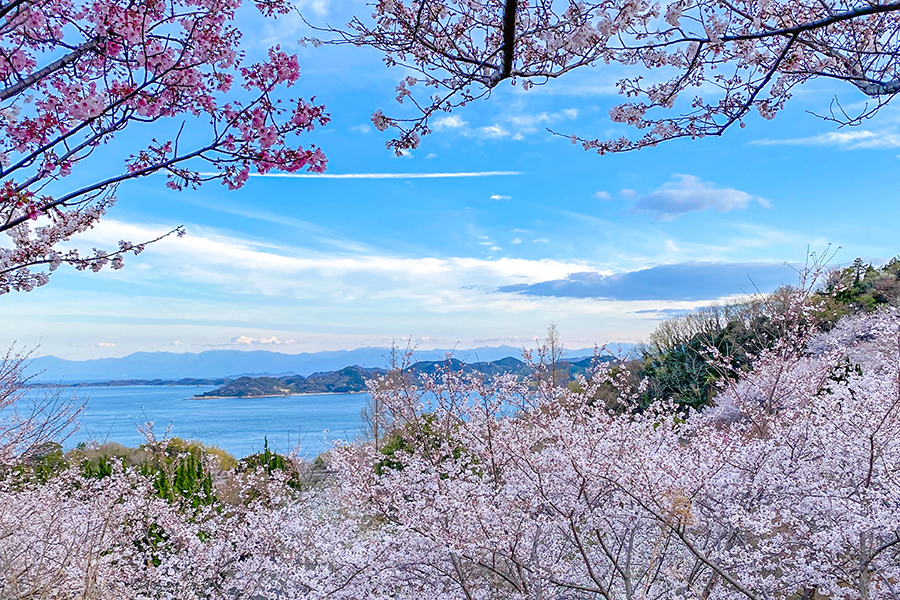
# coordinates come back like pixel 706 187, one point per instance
pixel 277 395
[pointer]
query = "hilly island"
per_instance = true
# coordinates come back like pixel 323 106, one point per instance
pixel 353 379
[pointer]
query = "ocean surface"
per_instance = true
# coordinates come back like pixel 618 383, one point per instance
pixel 237 425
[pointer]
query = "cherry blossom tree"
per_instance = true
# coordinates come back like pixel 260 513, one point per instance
pixel 710 62
pixel 522 489
pixel 786 489
pixel 75 75
pixel 28 424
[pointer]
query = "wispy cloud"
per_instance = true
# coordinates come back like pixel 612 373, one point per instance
pixel 244 340
pixel 861 139
pixel 602 196
pixel 313 231
pixel 689 194
pixel 663 313
pixel 499 197
pixel 529 123
pixel 387 175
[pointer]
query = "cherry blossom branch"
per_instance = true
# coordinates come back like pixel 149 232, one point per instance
pixel 773 46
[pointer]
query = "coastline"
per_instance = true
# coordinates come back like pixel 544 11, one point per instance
pixel 278 395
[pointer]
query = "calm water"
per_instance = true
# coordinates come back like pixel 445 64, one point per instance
pixel 237 425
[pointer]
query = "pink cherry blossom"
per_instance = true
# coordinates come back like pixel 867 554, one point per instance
pixel 75 73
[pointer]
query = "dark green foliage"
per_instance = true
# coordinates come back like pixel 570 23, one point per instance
pixel 398 442
pixel 156 541
pixel 861 288
pixel 841 374
pixel 177 471
pixel 42 463
pixel 270 462
pixel 422 436
pixel 100 467
pixel 678 362
pixel 179 475
pixel 266 460
pixel 687 373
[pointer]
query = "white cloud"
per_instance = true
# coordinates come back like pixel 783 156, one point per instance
pixel 516 241
pixel 603 196
pixel 529 123
pixel 214 285
pixel 286 29
pixel 688 194
pixel 249 268
pixel 520 124
pixel 106 344
pixel 318 7
pixel 499 197
pixel 492 132
pixel 627 194
pixel 361 128
pixel 859 139
pixel 449 122
pixel 431 156
pixel 244 340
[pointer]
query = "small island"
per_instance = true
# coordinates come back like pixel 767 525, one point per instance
pixel 348 380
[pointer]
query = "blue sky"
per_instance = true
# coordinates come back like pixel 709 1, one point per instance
pixel 539 231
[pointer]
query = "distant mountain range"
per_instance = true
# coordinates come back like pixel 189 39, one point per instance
pixel 215 364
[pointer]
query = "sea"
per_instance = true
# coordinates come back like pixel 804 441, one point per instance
pixel 308 424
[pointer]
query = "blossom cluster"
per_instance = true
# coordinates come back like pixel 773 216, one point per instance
pixel 75 74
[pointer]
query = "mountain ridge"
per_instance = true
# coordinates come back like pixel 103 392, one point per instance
pixel 216 364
